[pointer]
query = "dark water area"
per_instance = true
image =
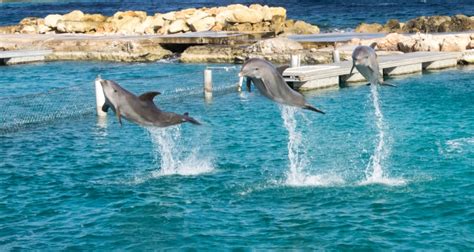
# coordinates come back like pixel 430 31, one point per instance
pixel 328 15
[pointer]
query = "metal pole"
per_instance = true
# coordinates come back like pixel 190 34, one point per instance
pixel 335 54
pixel 241 82
pixel 207 84
pixel 295 60
pixel 99 97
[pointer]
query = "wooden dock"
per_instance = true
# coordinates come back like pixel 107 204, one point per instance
pixel 333 75
pixel 22 56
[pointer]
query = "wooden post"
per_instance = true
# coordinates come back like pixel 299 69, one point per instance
pixel 99 97
pixel 295 60
pixel 207 84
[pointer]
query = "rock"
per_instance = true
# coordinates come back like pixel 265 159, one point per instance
pixel 462 23
pixel 369 28
pixel 43 29
pixel 278 11
pixel 274 45
pixel 217 27
pixel 94 18
pixel 392 25
pixel 425 43
pixel 9 29
pixel 223 17
pixel 468 57
pixel 178 26
pixel 66 26
pixel 204 24
pixel 390 42
pixel 28 29
pixel 246 16
pixel 151 25
pixel 455 43
pixel 210 54
pixel 75 15
pixel 52 20
pixel 29 21
pixel 238 27
pixel 198 15
pixel 300 27
pixel 170 16
pixel 130 14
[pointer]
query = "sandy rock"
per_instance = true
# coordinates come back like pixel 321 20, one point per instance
pixel 43 29
pixel 223 17
pixel 9 29
pixel 210 54
pixel 30 21
pixel 204 24
pixel 369 28
pixel 75 15
pixel 178 26
pixel 246 16
pixel 120 15
pixel 152 24
pixel 274 45
pixel 28 29
pixel 94 18
pixel 468 57
pixel 243 27
pixel 300 27
pixel 217 27
pixel 392 25
pixel 426 43
pixel 52 20
pixel 278 11
pixel 455 43
pixel 185 14
pixel 470 45
pixel 171 16
pixel 198 15
pixel 66 26
pixel 390 42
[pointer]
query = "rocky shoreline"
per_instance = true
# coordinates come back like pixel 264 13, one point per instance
pixel 133 36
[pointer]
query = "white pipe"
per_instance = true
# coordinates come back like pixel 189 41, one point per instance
pixel 295 60
pixel 241 82
pixel 207 83
pixel 99 97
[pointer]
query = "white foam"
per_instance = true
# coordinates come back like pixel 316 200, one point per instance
pixel 176 157
pixel 459 144
pixel 384 181
pixel 323 180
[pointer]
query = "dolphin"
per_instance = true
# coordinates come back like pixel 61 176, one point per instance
pixel 139 109
pixel 365 60
pixel 269 81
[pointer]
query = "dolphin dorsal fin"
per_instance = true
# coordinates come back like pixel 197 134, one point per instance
pixel 373 45
pixel 148 96
pixel 282 69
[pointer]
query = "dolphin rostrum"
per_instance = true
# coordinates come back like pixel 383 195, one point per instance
pixel 139 109
pixel 269 81
pixel 365 60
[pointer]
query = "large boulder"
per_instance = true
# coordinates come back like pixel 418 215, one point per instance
pixel 204 24
pixel 300 27
pixel 246 16
pixel 66 26
pixel 198 15
pixel 75 15
pixel 274 45
pixel 178 26
pixel 369 28
pixel 390 42
pixel 52 20
pixel 457 43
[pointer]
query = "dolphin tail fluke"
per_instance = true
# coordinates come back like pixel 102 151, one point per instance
pixel 309 107
pixel 190 119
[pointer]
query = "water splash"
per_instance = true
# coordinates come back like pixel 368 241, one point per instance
pixel 297 155
pixel 374 172
pixel 175 156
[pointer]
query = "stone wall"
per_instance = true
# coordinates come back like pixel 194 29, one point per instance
pixel 236 17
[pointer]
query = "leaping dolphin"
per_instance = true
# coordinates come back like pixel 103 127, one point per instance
pixel 365 60
pixel 269 81
pixel 139 109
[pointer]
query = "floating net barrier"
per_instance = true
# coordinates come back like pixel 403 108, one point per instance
pixel 78 100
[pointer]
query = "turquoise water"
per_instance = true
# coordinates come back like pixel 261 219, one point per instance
pixel 71 181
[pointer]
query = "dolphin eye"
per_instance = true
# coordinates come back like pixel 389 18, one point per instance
pixel 256 68
pixel 115 90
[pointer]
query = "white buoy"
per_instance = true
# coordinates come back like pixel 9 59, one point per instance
pixel 99 97
pixel 207 84
pixel 241 82
pixel 295 60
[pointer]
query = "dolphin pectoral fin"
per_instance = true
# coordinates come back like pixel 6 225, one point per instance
pixel 148 96
pixel 119 116
pixel 373 45
pixel 387 84
pixel 105 107
pixel 187 118
pixel 249 84
pixel 352 69
pixel 309 107
pixel 282 69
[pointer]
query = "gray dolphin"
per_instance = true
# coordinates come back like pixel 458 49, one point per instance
pixel 139 109
pixel 365 60
pixel 269 81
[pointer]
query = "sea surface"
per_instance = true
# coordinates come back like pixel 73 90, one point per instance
pixel 254 175
pixel 329 15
